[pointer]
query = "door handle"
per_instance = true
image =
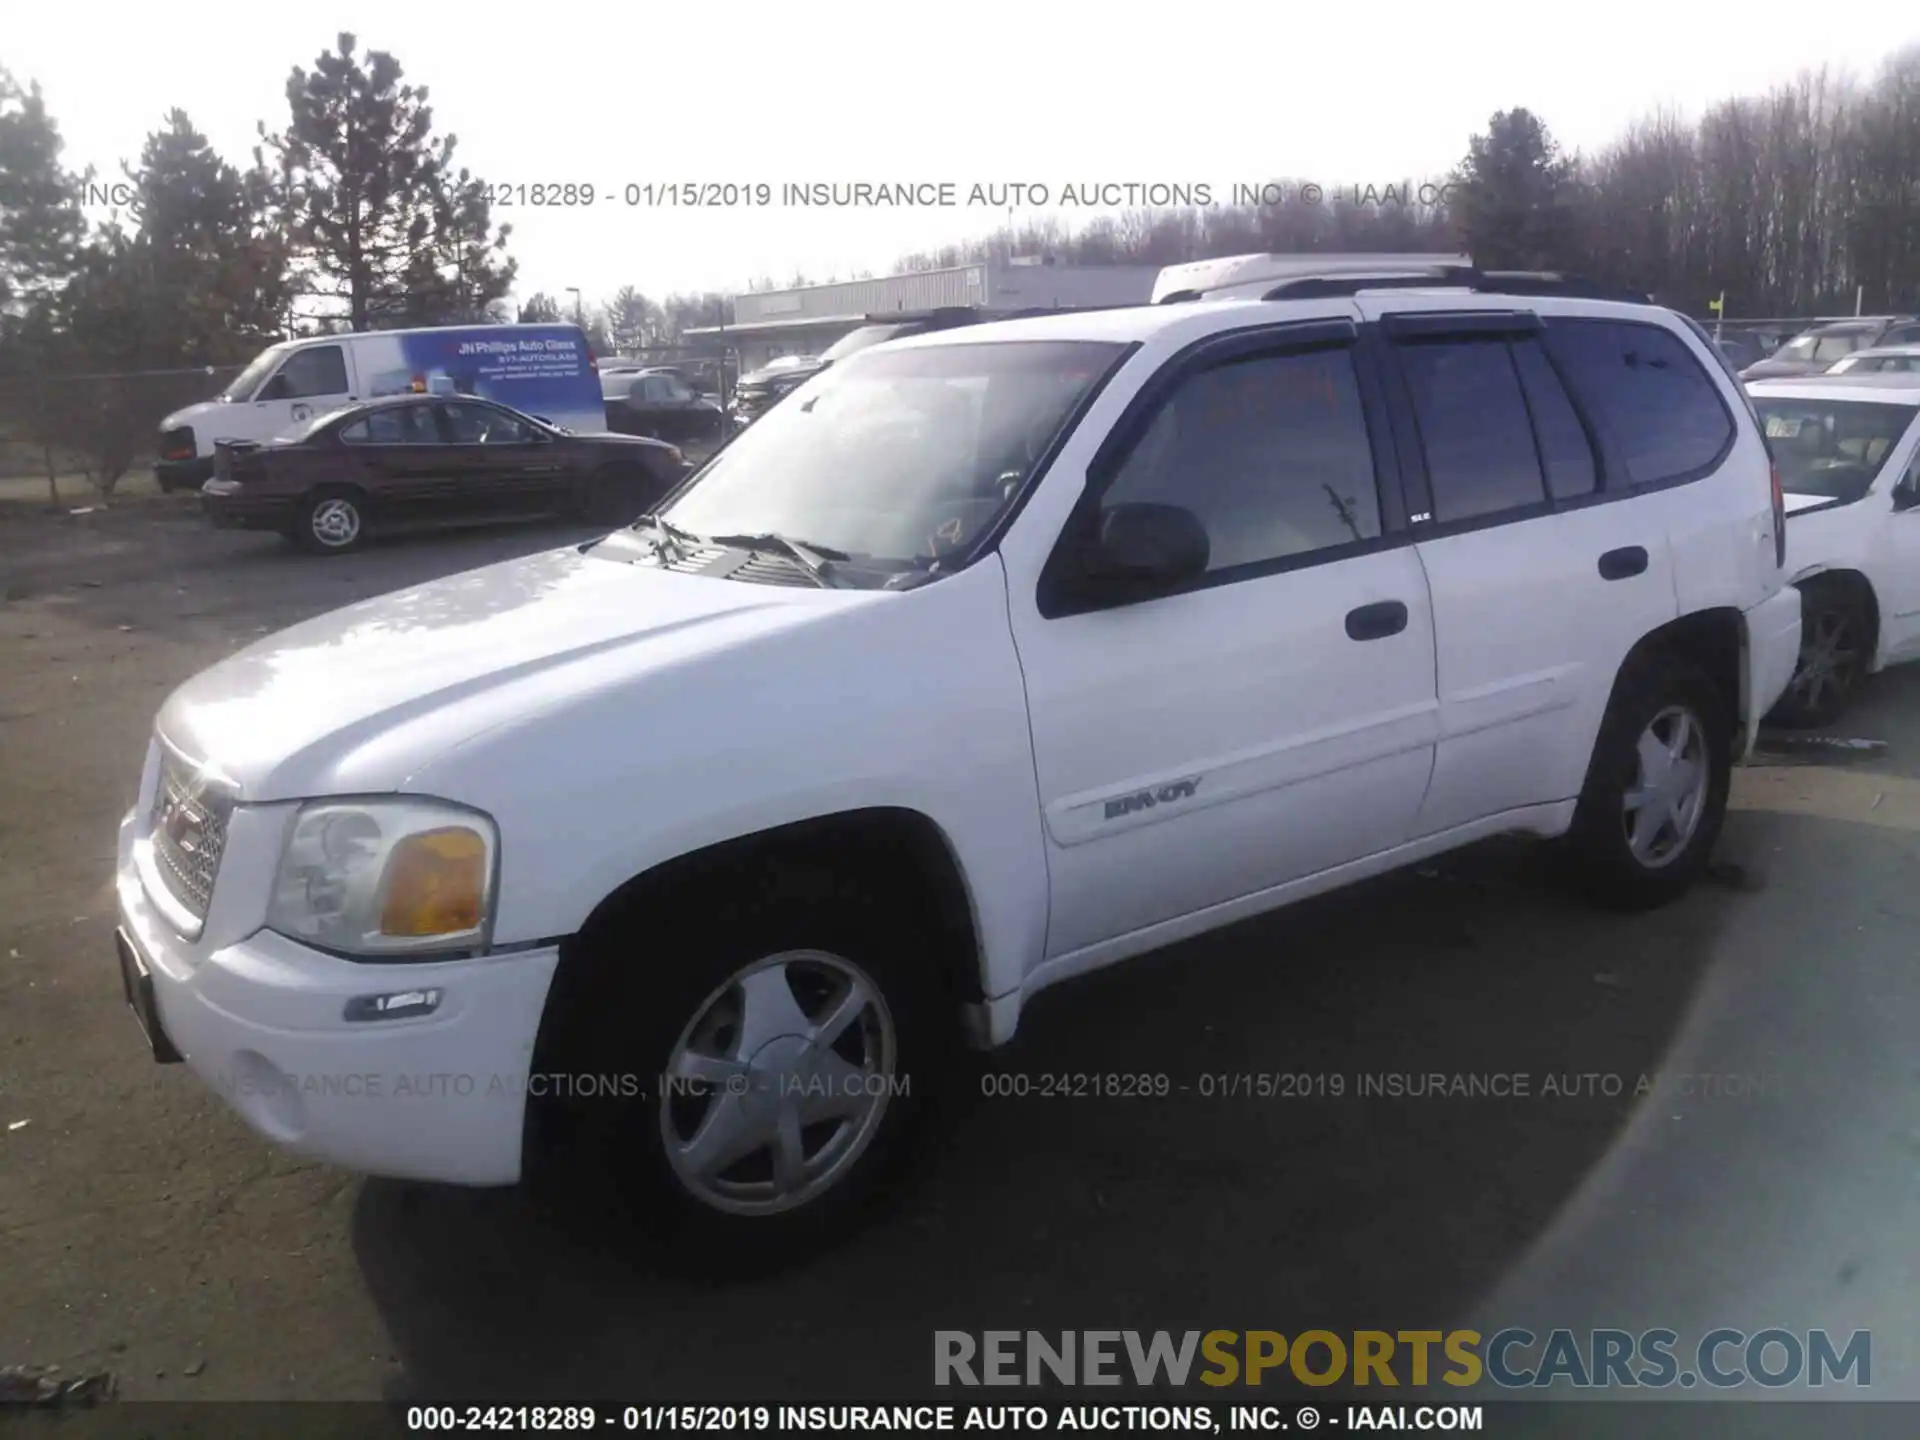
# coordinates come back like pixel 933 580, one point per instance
pixel 1376 621
pixel 1619 564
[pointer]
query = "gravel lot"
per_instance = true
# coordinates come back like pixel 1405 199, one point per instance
pixel 144 1229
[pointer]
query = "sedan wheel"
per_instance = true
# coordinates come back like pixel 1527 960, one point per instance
pixel 336 523
pixel 330 522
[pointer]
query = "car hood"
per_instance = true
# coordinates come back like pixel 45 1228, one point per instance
pixel 357 700
pixel 193 414
pixel 1794 501
pixel 792 375
pixel 614 440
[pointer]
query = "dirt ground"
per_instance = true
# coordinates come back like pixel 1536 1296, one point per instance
pixel 144 1229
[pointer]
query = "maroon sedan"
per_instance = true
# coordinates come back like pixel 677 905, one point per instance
pixel 418 461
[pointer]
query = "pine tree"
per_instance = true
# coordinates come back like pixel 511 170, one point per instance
pixel 382 221
pixel 41 224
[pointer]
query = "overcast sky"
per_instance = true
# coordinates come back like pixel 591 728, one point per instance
pixel 976 93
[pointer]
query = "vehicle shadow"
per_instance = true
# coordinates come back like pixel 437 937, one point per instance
pixel 1314 1205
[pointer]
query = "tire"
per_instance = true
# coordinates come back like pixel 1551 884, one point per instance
pixel 650 991
pixel 1665 701
pixel 331 520
pixel 1836 640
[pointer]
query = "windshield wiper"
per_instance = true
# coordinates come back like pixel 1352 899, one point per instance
pixel 816 560
pixel 667 535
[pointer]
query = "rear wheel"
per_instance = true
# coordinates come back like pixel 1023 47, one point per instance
pixel 1656 792
pixel 1835 643
pixel 331 521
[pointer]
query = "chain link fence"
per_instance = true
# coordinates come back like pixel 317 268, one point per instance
pixel 100 427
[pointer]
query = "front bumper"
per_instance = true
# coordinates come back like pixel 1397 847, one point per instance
pixel 1773 652
pixel 261 1019
pixel 183 474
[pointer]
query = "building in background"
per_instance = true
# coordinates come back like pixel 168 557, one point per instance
pixel 806 320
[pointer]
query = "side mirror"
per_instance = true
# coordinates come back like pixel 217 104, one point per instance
pixel 1143 550
pixel 1906 494
pixel 276 388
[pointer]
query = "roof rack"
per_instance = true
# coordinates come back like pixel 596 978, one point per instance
pixel 1463 277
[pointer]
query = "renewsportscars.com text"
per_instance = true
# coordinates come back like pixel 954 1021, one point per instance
pixel 1511 1359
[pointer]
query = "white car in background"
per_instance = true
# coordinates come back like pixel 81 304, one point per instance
pixel 1848 452
pixel 1879 360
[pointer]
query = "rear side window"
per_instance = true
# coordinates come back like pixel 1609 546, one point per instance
pixel 1271 454
pixel 1474 429
pixel 1644 387
pixel 1565 448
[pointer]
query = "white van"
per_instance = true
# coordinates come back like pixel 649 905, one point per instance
pixel 543 370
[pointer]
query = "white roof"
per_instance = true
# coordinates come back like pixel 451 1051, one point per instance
pixel 1204 275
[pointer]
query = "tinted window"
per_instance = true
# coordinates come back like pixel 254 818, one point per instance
pixel 1474 428
pixel 1564 446
pixel 321 370
pixel 1642 384
pixel 483 425
pixel 1271 454
pixel 395 425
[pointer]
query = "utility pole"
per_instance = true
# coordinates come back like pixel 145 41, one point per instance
pixel 579 310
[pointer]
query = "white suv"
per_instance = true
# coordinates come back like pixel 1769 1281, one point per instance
pixel 991 657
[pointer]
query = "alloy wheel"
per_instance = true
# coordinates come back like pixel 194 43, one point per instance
pixel 335 523
pixel 1663 807
pixel 778 1084
pixel 1829 660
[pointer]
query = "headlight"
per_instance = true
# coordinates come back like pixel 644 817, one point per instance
pixel 379 878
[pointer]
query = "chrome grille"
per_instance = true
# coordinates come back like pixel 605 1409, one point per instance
pixel 189 832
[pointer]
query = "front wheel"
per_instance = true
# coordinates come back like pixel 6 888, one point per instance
pixel 1656 792
pixel 779 1057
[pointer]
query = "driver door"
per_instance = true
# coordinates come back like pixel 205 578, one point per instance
pixel 309 382
pixel 1276 718
pixel 497 465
